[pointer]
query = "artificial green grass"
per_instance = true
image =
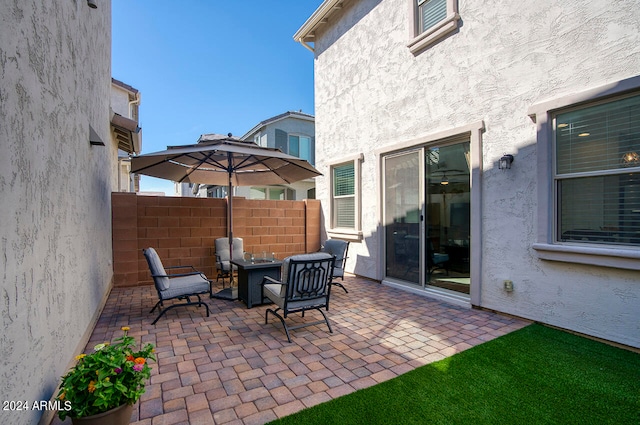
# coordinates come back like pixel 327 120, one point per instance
pixel 536 375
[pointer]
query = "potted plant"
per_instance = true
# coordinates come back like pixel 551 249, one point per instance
pixel 106 382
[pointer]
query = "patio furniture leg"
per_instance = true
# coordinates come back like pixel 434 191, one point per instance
pixel 198 303
pixel 159 303
pixel 340 285
pixel 326 320
pixel 266 318
pixel 304 325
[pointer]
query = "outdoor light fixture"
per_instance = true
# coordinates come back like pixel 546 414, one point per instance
pixel 505 162
pixel 92 4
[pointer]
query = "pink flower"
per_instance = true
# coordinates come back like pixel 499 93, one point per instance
pixel 117 370
pixel 138 367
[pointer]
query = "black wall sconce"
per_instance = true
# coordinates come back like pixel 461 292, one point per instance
pixel 92 4
pixel 505 161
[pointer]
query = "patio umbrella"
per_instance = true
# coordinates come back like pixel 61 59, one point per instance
pixel 224 160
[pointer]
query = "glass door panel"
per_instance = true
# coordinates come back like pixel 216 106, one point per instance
pixel 448 206
pixel 402 215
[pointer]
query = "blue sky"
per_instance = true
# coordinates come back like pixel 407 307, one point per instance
pixel 210 66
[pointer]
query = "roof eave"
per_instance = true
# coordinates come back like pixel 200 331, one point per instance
pixel 306 33
pixel 127 133
pixel 124 86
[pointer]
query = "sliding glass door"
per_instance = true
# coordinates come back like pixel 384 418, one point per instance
pixel 403 202
pixel 426 194
pixel 448 205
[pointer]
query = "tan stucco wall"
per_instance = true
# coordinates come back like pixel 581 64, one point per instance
pixel 372 94
pixel 55 233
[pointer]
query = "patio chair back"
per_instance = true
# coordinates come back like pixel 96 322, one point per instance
pixel 223 253
pixel 307 277
pixel 223 256
pixel 337 248
pixel 159 275
pixel 305 285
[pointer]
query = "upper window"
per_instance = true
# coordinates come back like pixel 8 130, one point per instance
pixel 431 21
pixel 300 146
pixel 295 144
pixel 597 173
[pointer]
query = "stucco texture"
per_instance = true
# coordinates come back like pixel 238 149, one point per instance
pixel 55 233
pixel 373 94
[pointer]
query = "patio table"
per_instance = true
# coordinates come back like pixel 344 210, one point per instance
pixel 250 276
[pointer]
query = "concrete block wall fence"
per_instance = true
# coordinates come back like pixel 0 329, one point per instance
pixel 183 231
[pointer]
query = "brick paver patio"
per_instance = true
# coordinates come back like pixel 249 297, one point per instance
pixel 231 368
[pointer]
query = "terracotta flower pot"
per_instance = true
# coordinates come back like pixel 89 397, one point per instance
pixel 117 416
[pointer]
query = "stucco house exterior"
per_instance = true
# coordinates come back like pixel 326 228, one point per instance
pixel 486 154
pixel 292 132
pixel 57 162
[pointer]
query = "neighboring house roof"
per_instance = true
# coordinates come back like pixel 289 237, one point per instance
pixel 306 33
pixel 124 85
pixel 210 137
pixel 289 114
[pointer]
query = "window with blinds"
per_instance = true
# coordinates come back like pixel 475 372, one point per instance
pixel 597 173
pixel 344 196
pixel 431 12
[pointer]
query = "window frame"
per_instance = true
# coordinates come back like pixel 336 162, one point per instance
pixel 418 39
pixel 568 176
pixel 311 158
pixel 354 233
pixel 547 246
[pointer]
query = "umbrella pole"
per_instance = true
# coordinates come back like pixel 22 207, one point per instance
pixel 230 221
pixel 230 293
pixel 230 216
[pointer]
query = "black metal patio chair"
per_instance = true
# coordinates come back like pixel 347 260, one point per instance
pixel 179 286
pixel 305 285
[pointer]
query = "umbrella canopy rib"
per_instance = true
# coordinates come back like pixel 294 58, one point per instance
pixel 190 169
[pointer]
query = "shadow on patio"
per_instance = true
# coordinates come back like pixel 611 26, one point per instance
pixel 232 368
